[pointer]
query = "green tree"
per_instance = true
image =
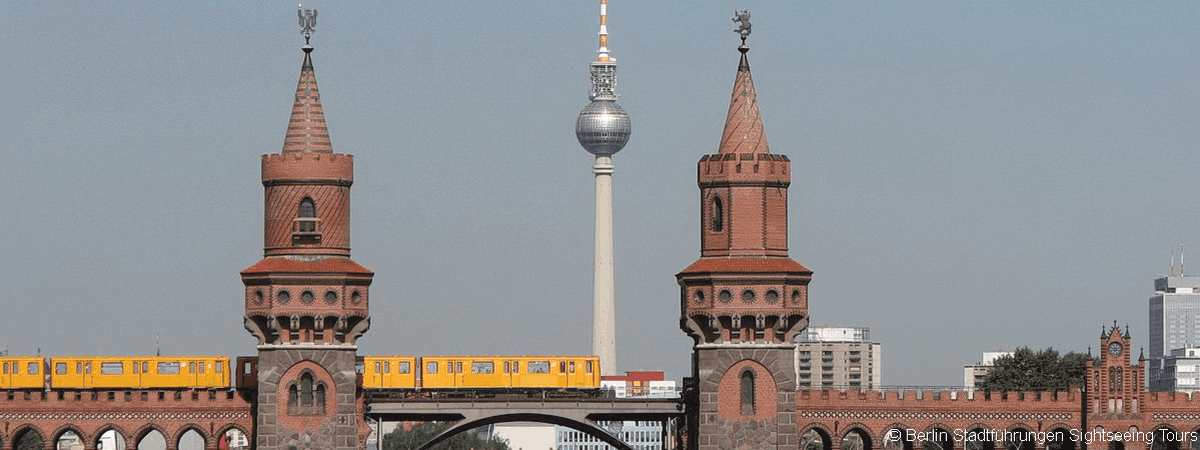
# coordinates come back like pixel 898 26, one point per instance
pixel 1026 370
pixel 30 440
pixel 402 439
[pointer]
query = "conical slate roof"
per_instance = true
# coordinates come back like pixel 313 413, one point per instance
pixel 743 125
pixel 306 130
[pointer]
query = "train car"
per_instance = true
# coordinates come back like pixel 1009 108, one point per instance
pixel 22 372
pixel 139 372
pixel 471 372
pixel 247 372
pixel 392 372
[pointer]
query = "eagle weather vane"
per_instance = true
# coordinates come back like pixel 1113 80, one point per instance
pixel 743 19
pixel 308 21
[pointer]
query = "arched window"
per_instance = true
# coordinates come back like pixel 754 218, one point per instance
pixel 748 393
pixel 718 215
pixel 306 397
pixel 308 210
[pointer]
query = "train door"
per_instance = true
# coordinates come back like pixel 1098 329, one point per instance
pixel 6 378
pixel 482 373
pixel 213 373
pixel 511 371
pixel 372 372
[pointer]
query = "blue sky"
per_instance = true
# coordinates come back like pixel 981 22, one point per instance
pixel 967 176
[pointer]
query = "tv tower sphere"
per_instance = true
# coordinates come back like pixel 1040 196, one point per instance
pixel 603 127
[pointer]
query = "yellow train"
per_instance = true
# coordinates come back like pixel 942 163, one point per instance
pixel 481 372
pixel 378 372
pixel 91 372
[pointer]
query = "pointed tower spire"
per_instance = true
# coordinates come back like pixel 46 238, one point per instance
pixel 602 129
pixel 306 131
pixel 743 124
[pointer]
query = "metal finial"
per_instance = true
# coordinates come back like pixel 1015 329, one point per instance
pixel 308 21
pixel 743 19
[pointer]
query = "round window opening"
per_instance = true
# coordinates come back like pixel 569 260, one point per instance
pixel 306 297
pixel 726 296
pixel 796 296
pixel 748 295
pixel 331 297
pixel 699 296
pixel 284 297
pixel 772 296
pixel 258 296
pixel 355 297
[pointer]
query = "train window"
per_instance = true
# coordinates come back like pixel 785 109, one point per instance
pixel 220 366
pixel 168 368
pixel 6 368
pixel 245 368
pixel 588 368
pixel 516 367
pixel 202 367
pixel 136 366
pixel 33 368
pixel 387 367
pixel 377 366
pixel 87 368
pixel 458 369
pixel 112 368
pixel 507 367
pixel 538 367
pixel 404 367
pixel 191 367
pixel 78 368
pixel 145 367
pixel 431 367
pixel 482 367
pixel 562 367
pixel 60 368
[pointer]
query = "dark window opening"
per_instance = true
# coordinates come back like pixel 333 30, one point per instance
pixel 747 393
pixel 718 215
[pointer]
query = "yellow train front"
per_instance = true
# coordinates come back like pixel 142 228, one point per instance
pixel 481 372
pixel 139 372
pixel 22 372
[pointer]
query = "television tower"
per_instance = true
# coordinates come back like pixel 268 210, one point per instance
pixel 603 128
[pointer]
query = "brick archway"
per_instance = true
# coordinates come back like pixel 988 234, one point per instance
pixel 174 442
pixel 822 432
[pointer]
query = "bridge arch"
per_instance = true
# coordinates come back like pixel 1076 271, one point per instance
pixel 1166 437
pixel 938 437
pixel 146 433
pixel 979 436
pixel 62 431
pixel 177 439
pixel 1018 436
pixel 816 435
pixel 856 435
pixel 100 432
pixel 1060 438
pixel 583 427
pixel 27 431
pixel 896 438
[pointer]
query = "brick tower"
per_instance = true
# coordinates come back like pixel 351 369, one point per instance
pixel 744 300
pixel 1115 385
pixel 306 300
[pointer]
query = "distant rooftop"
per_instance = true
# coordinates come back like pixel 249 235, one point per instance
pixel 836 334
pixel 1177 284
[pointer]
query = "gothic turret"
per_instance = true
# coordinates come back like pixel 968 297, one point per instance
pixel 744 301
pixel 306 300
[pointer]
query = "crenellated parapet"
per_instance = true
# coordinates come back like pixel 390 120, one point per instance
pixel 308 168
pixel 131 414
pixel 758 169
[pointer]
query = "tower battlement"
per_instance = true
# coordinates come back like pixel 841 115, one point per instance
pixel 755 168
pixel 309 167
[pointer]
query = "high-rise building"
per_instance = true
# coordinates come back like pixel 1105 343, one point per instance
pixel 974 374
pixel 844 357
pixel 602 129
pixel 1174 324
